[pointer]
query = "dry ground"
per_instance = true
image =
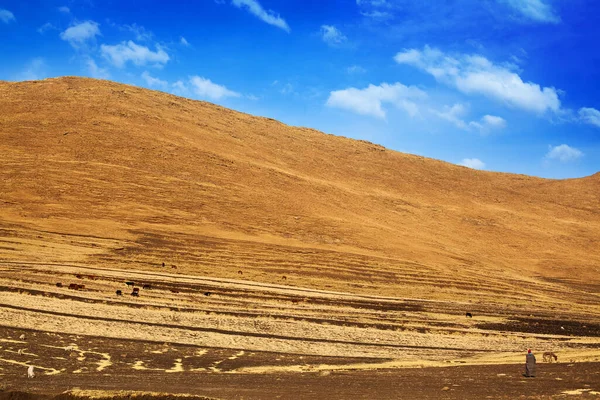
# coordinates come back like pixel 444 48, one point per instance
pixel 282 262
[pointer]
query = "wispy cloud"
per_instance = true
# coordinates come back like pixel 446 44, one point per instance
pixel 64 10
pixel 95 71
pixel 473 163
pixel 141 34
pixel 184 42
pixel 154 82
pixel 563 153
pixel 268 16
pixel 6 16
pixel 33 71
pixel 474 74
pixel 536 10
pixel 590 116
pixel 369 101
pixel 332 36
pixel 129 51
pixel 205 88
pixel 79 33
pixel 46 27
pixel 456 113
pixel 356 69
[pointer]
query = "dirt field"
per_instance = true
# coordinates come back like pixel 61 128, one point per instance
pixel 276 262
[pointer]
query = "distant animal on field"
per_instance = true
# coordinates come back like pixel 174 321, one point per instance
pixel 207 293
pixel 129 283
pixel 76 286
pixel 284 278
pixel 174 266
pixel 79 276
pixel 136 290
pixel 22 337
pixel 58 284
pixel 548 356
pixel 119 293
pixel 240 273
pixel 30 373
pixel 20 352
pixel 163 264
pixel 469 315
pixel 135 294
pixel 146 286
pixel 174 291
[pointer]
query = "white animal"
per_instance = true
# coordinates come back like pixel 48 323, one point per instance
pixel 30 373
pixel 20 352
pixel 22 337
pixel 70 348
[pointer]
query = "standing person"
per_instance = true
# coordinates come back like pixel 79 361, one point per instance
pixel 529 364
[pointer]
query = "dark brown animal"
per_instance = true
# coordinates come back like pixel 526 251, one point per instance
pixel 135 294
pixel 79 276
pixel 58 284
pixel 146 286
pixel 469 315
pixel 75 286
pixel 207 293
pixel 548 356
pixel 284 278
pixel 136 290
pixel 174 291
pixel 119 293
pixel 129 283
pixel 240 273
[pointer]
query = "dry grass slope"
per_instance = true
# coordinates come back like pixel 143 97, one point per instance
pixel 163 178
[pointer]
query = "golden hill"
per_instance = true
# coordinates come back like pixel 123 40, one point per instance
pixel 99 173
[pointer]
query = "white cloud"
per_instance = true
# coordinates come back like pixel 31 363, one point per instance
pixel 590 116
pixel 473 163
pixel 537 10
pixel 563 153
pixel 369 101
pixel 95 71
pixel 64 9
pixel 456 113
pixel 356 69
pixel 6 16
pixel 473 74
pixel 78 34
pixel 46 27
pixel 488 123
pixel 154 82
pixel 180 89
pixel 34 70
pixel 206 89
pixel 139 55
pixel 332 36
pixel 141 34
pixel 184 42
pixel 269 16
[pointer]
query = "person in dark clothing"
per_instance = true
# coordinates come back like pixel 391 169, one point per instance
pixel 529 365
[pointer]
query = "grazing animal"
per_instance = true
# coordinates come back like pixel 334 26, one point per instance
pixel 79 276
pixel 240 273
pixel 129 283
pixel 119 293
pixel 469 315
pixel 174 266
pixel 22 337
pixel 20 352
pixel 207 293
pixel 146 286
pixel 174 291
pixel 548 356
pixel 163 264
pixel 30 373
pixel 58 284
pixel 284 278
pixel 75 286
pixel 135 294
pixel 136 290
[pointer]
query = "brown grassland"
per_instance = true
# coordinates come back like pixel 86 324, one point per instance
pixel 275 261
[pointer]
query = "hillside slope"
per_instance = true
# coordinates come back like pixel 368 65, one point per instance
pixel 99 173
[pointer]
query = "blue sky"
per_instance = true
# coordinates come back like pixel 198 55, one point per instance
pixel 501 85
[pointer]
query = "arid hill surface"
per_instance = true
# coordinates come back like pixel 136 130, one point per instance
pixel 157 244
pixel 101 173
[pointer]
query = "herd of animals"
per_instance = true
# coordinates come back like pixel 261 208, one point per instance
pixel 547 356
